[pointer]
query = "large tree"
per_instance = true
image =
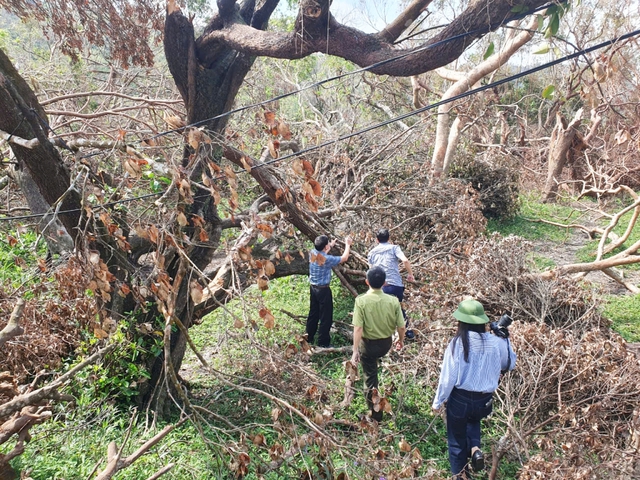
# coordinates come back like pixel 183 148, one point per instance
pixel 208 71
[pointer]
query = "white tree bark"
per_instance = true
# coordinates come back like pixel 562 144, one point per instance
pixel 463 82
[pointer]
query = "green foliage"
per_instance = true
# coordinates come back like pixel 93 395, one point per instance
pixel 19 253
pixel 119 376
pixel 623 311
pixel 490 49
pixel 549 92
pixel 497 184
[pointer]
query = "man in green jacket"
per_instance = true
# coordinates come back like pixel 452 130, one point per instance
pixel 376 316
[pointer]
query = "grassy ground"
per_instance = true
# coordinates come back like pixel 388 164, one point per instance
pixel 620 309
pixel 234 340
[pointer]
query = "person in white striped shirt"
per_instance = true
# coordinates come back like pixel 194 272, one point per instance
pixel 471 368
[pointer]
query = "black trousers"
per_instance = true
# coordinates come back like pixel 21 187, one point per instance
pixel 370 353
pixel 320 310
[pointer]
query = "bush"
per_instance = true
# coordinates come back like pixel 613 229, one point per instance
pixel 495 181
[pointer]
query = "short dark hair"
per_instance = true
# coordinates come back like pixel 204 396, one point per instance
pixel 382 235
pixel 321 242
pixel 376 277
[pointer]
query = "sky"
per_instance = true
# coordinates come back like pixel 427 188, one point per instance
pixel 368 16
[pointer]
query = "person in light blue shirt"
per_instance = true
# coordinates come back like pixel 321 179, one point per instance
pixel 321 300
pixel 471 369
pixel 389 257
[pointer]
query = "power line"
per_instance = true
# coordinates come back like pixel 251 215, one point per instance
pixel 343 75
pixel 457 97
pixel 316 84
pixel 381 124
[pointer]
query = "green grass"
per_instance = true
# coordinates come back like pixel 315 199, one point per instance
pixel 70 447
pixel 623 312
pixel 531 209
pixel 588 252
pixel 19 256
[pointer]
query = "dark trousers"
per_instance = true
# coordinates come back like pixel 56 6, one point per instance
pixel 320 310
pixel 370 353
pixel 397 292
pixel 464 411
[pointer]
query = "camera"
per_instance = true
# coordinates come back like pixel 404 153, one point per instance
pixel 500 328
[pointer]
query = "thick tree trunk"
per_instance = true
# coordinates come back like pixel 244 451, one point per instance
pixel 208 90
pixel 23 116
pixel 560 144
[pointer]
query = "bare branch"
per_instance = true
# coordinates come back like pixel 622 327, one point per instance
pixel 392 31
pixel 13 327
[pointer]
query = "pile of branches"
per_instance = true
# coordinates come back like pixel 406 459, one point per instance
pixel 570 408
pixel 51 322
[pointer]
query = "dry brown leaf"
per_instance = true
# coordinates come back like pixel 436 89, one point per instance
pixel 197 292
pixel 263 282
pixel 246 163
pixel 269 268
pixel 313 204
pixel 153 234
pixel 100 333
pixel 229 173
pixel 202 235
pixel 273 147
pixel 132 168
pixel 182 219
pixel 404 446
pixel 174 122
pixel 315 187
pixel 297 167
pixel 284 130
pixel 270 118
pixel 269 321
pixel 308 168
pixel 194 138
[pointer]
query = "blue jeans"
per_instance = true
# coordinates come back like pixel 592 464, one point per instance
pixel 397 292
pixel 464 411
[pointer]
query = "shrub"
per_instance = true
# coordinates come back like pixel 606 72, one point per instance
pixel 496 182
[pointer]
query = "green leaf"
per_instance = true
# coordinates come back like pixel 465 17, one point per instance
pixel 489 52
pixel 540 22
pixel 554 24
pixel 544 48
pixel 548 92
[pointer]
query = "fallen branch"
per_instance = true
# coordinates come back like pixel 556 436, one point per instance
pixel 13 328
pixel 30 144
pixel 116 463
pixel 50 391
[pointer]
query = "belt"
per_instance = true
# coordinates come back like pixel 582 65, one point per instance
pixel 367 340
pixel 470 394
pixel 320 286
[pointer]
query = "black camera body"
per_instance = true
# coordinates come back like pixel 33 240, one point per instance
pixel 501 327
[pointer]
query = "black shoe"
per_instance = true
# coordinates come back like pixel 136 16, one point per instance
pixel 477 461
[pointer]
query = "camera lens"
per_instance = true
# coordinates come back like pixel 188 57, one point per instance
pixel 505 321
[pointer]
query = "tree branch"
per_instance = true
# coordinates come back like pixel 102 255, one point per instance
pixel 13 327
